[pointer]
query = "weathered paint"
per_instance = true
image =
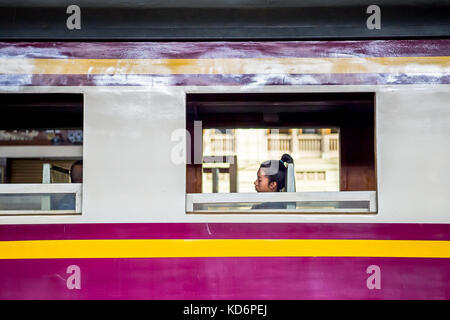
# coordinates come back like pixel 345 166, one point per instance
pixel 223 49
pixel 225 63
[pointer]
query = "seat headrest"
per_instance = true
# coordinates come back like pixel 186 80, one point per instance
pixel 290 178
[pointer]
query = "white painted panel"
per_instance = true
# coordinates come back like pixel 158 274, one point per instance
pixel 129 178
pixel 128 173
pixel 413 146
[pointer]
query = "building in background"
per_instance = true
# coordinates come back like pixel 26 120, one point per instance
pixel 315 152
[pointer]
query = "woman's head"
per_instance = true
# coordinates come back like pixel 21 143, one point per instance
pixel 76 172
pixel 272 174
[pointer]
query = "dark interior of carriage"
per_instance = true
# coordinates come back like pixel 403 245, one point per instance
pixel 352 113
pixel 40 111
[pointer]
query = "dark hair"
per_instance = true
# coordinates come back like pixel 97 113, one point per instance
pixel 281 170
pixel 76 163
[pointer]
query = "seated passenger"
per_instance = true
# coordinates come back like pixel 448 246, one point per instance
pixel 272 178
pixel 76 172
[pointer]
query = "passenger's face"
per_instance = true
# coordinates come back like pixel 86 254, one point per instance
pixel 77 174
pixel 262 183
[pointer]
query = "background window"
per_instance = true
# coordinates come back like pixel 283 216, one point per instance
pixel 39 129
pixel 41 138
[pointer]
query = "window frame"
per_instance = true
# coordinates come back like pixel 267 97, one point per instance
pixel 347 195
pixel 47 189
pixel 271 197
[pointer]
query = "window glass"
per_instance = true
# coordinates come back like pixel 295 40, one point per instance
pixel 37 202
pixel 310 206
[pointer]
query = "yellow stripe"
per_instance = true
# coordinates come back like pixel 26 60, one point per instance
pixel 408 65
pixel 58 249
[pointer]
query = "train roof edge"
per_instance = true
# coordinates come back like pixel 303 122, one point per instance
pixel 200 20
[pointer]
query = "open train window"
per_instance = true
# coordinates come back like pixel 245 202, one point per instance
pixel 41 141
pixel 330 136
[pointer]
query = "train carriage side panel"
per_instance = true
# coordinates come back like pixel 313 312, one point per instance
pixel 134 239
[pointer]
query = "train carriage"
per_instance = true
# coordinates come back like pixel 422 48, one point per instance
pixel 169 121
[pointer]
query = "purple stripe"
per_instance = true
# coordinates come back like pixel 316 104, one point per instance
pixel 390 231
pixel 226 278
pixel 197 50
pixel 231 80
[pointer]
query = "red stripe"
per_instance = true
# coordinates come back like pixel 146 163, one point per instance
pixel 199 50
pixel 370 231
